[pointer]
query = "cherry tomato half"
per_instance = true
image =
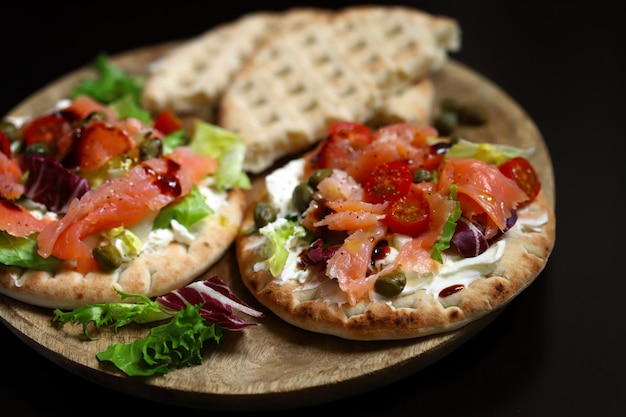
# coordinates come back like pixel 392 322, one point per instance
pixel 47 130
pixel 5 144
pixel 343 145
pixel 167 122
pixel 409 215
pixel 388 182
pixel 521 171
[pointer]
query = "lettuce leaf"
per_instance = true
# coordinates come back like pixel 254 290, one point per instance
pixel 22 252
pixel 126 107
pixel 174 140
pixel 489 152
pixel 280 233
pixel 444 240
pixel 186 212
pixel 225 146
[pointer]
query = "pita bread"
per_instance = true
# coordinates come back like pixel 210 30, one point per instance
pixel 409 314
pixel 152 273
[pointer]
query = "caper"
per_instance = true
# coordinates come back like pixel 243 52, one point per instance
pixel 317 176
pixel 264 213
pixel 94 115
pixel 10 130
pixel 108 257
pixel 391 284
pixel 302 196
pixel 36 149
pixel 451 104
pixel 456 139
pixel 150 148
pixel 421 175
pixel 473 114
pixel 446 122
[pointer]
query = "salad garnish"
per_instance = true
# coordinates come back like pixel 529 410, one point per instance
pixel 198 312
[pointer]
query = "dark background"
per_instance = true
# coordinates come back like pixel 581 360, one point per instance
pixel 557 349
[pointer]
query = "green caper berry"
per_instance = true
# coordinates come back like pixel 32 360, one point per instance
pixel 473 114
pixel 10 130
pixel 317 176
pixel 302 196
pixel 421 175
pixel 456 139
pixel 446 122
pixel 264 213
pixel 94 115
pixel 150 148
pixel 451 104
pixel 36 149
pixel 108 257
pixel 391 284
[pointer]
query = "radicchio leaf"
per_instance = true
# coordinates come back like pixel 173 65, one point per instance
pixel 317 253
pixel 50 184
pixel 217 302
pixel 469 238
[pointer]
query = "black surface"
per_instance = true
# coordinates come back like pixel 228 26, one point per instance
pixel 558 349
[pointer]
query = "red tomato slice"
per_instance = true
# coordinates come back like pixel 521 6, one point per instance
pixel 388 182
pixel 5 144
pixel 409 215
pixel 343 145
pixel 521 171
pixel 167 122
pixel 47 130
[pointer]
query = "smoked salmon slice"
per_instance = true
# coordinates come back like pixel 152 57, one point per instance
pixel 350 263
pixel 17 221
pixel 10 176
pixel 482 188
pixel 123 201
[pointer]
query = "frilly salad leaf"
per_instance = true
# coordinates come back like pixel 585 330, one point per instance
pixel 198 312
pixel 225 146
pixel 111 84
pixel 175 344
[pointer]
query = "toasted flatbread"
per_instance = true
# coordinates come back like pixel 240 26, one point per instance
pixel 414 314
pixel 298 83
pixel 414 104
pixel 152 273
pixel 192 76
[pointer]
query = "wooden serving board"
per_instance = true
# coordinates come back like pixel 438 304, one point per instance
pixel 274 365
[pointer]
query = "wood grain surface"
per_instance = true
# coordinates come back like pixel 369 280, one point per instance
pixel 274 365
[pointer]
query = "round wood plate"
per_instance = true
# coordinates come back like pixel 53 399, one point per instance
pixel 274 365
